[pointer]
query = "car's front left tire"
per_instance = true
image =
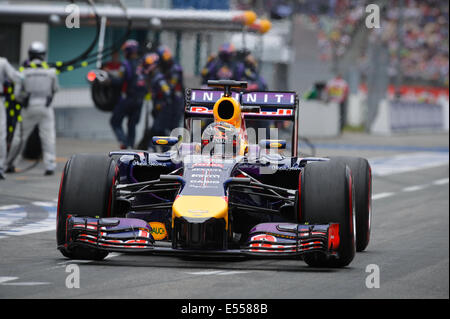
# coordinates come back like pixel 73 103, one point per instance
pixel 327 197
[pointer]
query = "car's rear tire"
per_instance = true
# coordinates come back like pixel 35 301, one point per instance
pixel 85 190
pixel 327 197
pixel 362 181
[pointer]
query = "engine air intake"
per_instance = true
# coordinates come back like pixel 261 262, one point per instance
pixel 225 110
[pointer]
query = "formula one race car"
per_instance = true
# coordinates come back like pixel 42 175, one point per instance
pixel 218 190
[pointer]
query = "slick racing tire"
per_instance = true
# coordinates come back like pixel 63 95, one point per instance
pixel 362 181
pixel 85 191
pixel 105 96
pixel 327 197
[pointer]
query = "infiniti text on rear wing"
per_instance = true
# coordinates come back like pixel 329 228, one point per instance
pixel 255 105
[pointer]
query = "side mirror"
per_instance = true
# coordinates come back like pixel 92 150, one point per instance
pixel 164 140
pixel 273 144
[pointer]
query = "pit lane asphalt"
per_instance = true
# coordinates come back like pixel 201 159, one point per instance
pixel 409 243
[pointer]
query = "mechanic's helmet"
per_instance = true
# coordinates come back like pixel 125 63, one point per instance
pixel 150 63
pixel 251 62
pixel 226 51
pixel 165 55
pixel 37 51
pixel 130 47
pixel 221 138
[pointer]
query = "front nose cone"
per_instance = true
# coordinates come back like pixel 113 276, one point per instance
pixel 200 222
pixel 200 208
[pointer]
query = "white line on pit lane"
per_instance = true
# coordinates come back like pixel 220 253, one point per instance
pixel 5 281
pixel 10 214
pixel 402 163
pixel 217 272
pixel 441 181
pixel 413 188
pixel 48 224
pixel 43 204
pixel 67 262
pixel 9 207
pixel 26 283
pixel 83 261
pixel 382 195
pixel 9 217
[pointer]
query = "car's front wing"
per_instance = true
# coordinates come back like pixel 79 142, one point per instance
pixel 264 240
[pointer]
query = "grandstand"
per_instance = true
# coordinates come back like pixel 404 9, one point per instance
pixel 414 32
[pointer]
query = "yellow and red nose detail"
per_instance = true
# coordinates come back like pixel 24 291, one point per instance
pixel 203 207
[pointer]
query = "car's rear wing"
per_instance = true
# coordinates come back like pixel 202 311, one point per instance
pixel 264 105
pixel 255 105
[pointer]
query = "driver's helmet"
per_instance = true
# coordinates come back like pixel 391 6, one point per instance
pixel 221 138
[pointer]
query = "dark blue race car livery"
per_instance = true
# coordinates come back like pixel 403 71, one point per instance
pixel 213 188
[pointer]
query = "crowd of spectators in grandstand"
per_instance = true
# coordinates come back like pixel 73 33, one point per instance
pixel 337 29
pixel 423 53
pixel 420 49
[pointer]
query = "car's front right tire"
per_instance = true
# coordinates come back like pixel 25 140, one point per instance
pixel 85 191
